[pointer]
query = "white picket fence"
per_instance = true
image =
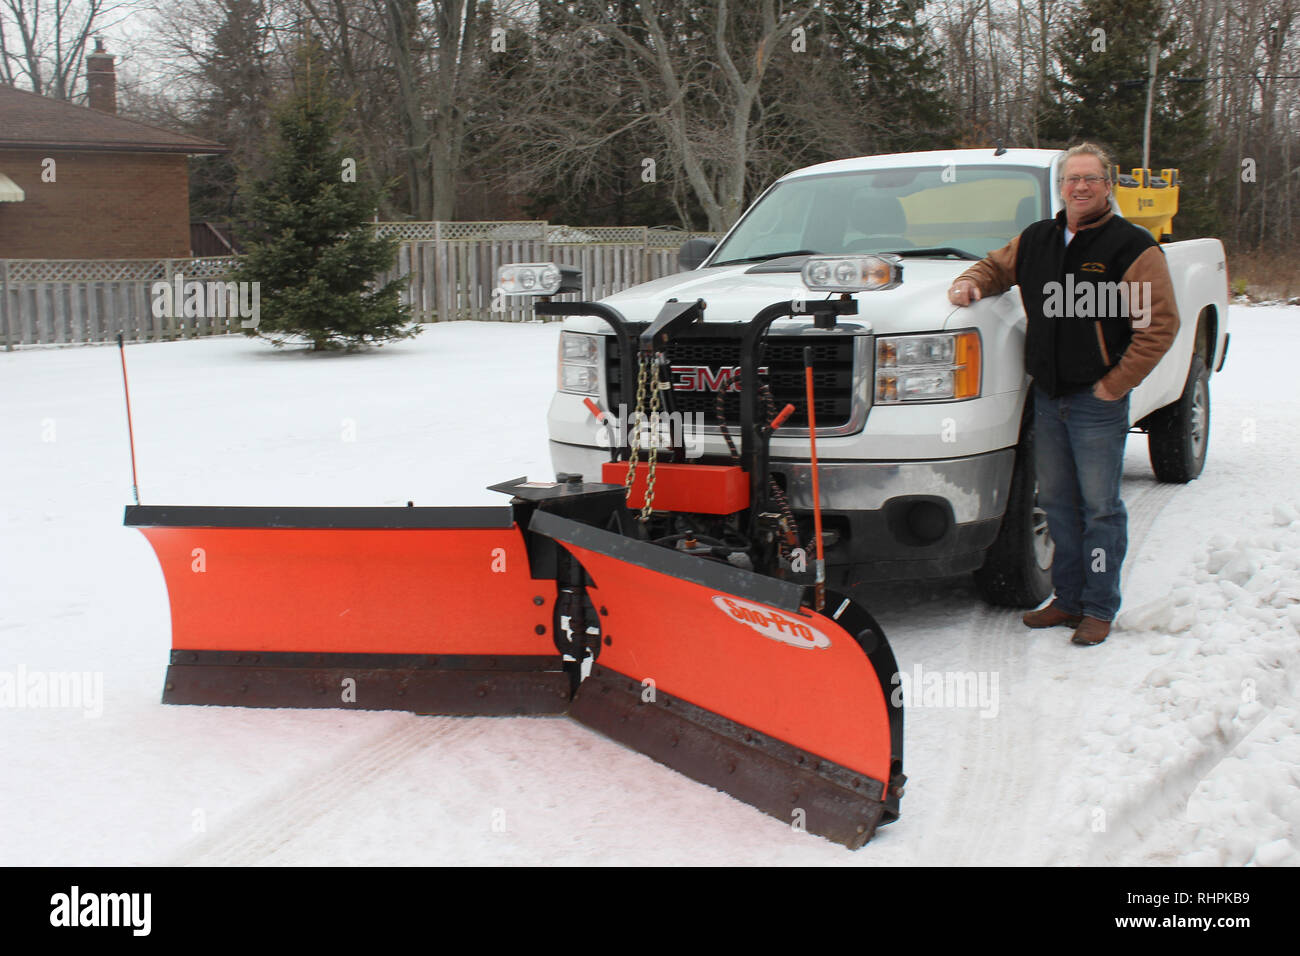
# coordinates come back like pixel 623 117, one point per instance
pixel 450 268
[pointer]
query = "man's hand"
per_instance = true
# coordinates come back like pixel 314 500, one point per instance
pixel 1099 390
pixel 963 292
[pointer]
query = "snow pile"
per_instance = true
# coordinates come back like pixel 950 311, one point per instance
pixel 1209 747
pixel 1247 809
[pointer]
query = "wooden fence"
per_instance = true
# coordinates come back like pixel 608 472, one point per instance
pixel 56 301
pixel 449 268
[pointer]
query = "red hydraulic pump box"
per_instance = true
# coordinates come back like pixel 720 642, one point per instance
pixel 701 489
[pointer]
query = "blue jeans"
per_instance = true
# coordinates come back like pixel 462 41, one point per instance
pixel 1079 454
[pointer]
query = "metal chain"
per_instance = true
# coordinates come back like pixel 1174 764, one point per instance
pixel 634 439
pixel 655 398
pixel 634 432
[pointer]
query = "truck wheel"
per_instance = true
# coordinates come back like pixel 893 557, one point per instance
pixel 1017 570
pixel 1178 435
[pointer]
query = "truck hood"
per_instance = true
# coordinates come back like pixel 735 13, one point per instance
pixel 737 294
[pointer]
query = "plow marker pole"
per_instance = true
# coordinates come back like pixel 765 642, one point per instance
pixel 820 589
pixel 130 431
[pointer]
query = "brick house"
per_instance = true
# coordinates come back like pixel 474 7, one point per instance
pixel 81 182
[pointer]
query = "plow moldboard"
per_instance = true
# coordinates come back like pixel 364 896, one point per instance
pixel 781 707
pixel 432 610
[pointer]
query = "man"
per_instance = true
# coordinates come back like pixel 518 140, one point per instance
pixel 1085 355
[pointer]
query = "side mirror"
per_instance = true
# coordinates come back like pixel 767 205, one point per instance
pixel 695 251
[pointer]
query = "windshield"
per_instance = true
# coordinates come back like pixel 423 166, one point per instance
pixel 973 209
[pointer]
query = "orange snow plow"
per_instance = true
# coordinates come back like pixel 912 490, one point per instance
pixel 681 621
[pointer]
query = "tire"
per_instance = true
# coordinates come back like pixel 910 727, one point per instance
pixel 1017 570
pixel 1178 435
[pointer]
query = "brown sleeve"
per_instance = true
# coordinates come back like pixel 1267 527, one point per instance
pixel 1154 327
pixel 996 272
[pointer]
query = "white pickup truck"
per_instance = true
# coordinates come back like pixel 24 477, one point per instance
pixel 924 470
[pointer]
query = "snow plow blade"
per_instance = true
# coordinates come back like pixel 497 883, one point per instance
pixel 422 609
pixel 720 674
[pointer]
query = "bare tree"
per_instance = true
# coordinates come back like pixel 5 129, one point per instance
pixel 701 84
pixel 43 42
pixel 426 57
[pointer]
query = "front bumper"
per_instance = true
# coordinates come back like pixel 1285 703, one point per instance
pixel 975 485
pixel 892 519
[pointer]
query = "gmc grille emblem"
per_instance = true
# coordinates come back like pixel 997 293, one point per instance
pixel 704 378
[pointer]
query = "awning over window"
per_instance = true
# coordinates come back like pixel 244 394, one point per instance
pixel 9 191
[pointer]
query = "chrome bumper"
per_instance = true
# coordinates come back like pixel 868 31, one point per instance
pixel 976 486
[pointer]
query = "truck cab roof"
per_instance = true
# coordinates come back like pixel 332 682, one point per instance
pixel 1040 158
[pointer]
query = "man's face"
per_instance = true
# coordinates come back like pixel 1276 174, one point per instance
pixel 1084 200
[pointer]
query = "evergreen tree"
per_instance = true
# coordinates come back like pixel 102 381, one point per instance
pixel 314 254
pixel 869 82
pixel 1101 96
pixel 894 71
pixel 231 106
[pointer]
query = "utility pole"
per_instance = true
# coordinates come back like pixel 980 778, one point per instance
pixel 1153 55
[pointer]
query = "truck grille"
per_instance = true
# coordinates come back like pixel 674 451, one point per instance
pixel 832 377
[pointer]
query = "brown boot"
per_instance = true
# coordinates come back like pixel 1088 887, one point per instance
pixel 1091 631
pixel 1050 616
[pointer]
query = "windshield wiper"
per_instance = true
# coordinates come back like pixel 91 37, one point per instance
pixel 766 256
pixel 936 251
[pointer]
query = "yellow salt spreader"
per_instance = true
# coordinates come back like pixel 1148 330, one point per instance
pixel 1148 200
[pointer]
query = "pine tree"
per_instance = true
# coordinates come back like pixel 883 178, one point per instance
pixel 315 255
pixel 895 72
pixel 1102 92
pixel 868 82
pixel 231 105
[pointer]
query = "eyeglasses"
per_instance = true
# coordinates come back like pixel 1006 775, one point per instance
pixel 1088 181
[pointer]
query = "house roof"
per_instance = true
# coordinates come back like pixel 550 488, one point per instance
pixel 28 120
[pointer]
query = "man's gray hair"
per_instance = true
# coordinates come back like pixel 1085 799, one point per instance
pixel 1089 149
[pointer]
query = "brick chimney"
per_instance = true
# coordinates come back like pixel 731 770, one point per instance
pixel 101 79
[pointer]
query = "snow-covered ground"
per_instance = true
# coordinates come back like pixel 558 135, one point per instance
pixel 1173 742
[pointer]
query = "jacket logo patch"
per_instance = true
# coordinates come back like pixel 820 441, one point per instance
pixel 1093 267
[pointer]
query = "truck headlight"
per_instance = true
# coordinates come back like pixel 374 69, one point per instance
pixel 938 367
pixel 579 365
pixel 538 278
pixel 852 273
pixel 578 348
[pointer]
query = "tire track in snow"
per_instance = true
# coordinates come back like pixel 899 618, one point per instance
pixel 1066 717
pixel 972 766
pixel 260 832
pixel 1146 507
pixel 989 743
pixel 1016 758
